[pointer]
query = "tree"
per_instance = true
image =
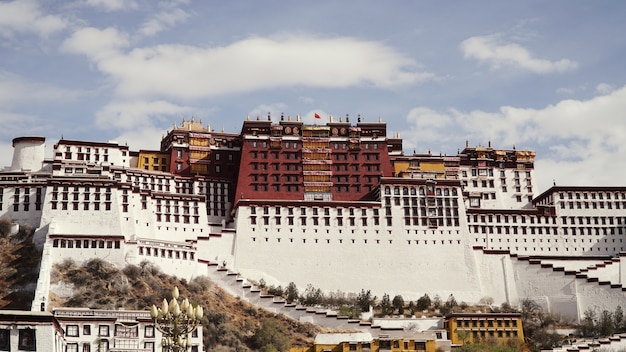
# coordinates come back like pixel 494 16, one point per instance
pixel 291 292
pixel 537 327
pixel 486 300
pixel 311 296
pixel 385 305
pixel 449 306
pixel 365 300
pixel 506 308
pixel 437 302
pixel 398 304
pixel 270 337
pixel 618 320
pixel 423 303
pixel 587 327
pixel 412 308
pixel 605 323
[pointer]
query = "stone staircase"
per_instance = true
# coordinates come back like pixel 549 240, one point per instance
pixel 237 286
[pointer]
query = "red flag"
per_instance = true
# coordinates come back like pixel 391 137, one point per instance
pixel 317 116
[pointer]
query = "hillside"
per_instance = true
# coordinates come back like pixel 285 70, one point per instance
pixel 229 323
pixel 19 267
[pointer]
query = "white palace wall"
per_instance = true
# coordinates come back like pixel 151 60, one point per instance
pixel 497 276
pixel 350 259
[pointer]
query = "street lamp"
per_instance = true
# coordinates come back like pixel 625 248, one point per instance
pixel 176 321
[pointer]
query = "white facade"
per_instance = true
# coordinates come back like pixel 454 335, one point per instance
pixel 458 236
pixel 30 331
pixel 107 330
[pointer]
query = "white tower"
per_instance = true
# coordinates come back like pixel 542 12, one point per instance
pixel 28 153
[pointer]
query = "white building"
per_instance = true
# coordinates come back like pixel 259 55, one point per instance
pixel 473 228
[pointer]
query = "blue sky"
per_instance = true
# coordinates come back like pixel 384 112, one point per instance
pixel 542 75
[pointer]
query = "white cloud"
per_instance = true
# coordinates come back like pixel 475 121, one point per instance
pixel 604 88
pixel 491 49
pixel 274 110
pixel 306 100
pixel 566 91
pixel 16 124
pixel 6 157
pixel 574 135
pixel 163 20
pixel 426 124
pixel 95 43
pixel 15 90
pixel 189 72
pixel 25 16
pixel 137 114
pixel 112 5
pixel 143 138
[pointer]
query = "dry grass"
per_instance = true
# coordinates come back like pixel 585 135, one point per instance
pixel 229 322
pixel 19 267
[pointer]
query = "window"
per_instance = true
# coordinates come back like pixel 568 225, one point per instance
pixel 103 330
pixel 26 340
pixel 71 347
pixel 5 342
pixel 71 330
pixel 86 347
pixel 149 331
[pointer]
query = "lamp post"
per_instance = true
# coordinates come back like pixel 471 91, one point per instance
pixel 176 321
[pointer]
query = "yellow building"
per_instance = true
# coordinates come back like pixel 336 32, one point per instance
pixel 364 342
pixel 153 160
pixel 483 327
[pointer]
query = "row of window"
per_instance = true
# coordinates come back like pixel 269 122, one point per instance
pixel 186 219
pixel 365 241
pixel 487 323
pixel 75 205
pixel 593 205
pixel 515 230
pixel 166 253
pixel 548 240
pixel 489 172
pixel 315 211
pixel 308 144
pixel 422 191
pixel 592 195
pixel 26 339
pixel 73 330
pixel 423 202
pixel 83 243
pixel 314 221
pixel 514 219
pixel 595 220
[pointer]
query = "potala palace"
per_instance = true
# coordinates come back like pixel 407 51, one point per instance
pixel 336 205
